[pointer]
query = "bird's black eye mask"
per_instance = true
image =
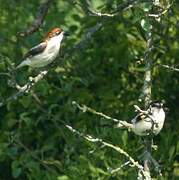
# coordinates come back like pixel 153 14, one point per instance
pixel 157 104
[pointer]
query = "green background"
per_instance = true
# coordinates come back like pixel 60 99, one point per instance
pixel 104 73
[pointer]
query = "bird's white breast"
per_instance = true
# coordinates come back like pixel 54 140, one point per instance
pixel 148 125
pixel 49 54
pixel 159 117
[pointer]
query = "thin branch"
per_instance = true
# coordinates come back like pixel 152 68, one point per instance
pixel 127 5
pixel 85 39
pixel 113 171
pixel 95 13
pixel 122 7
pixel 140 110
pixel 116 148
pixel 172 68
pixel 26 88
pixel 161 13
pixel 92 30
pixel 84 108
pixel 42 11
pixel 5 74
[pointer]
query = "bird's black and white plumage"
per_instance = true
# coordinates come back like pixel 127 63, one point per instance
pixel 151 122
pixel 45 52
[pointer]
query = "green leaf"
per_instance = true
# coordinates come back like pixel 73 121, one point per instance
pixel 63 178
pixel 147 6
pixel 16 170
pixel 171 152
pixel 125 138
pixel 145 24
pixel 137 15
pixel 25 101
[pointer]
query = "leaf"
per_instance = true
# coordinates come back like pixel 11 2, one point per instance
pixel 63 178
pixel 26 101
pixel 145 24
pixel 125 138
pixel 171 152
pixel 137 15
pixel 17 172
pixel 147 6
pixel 16 169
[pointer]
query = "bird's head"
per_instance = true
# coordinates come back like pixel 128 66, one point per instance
pixel 55 32
pixel 156 104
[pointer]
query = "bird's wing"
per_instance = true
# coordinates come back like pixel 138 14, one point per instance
pixel 36 50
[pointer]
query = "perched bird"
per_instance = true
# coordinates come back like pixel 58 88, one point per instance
pixel 146 122
pixel 45 52
pixel 150 122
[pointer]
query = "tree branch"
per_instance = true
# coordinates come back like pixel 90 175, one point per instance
pixel 172 68
pixel 120 123
pixel 42 11
pixel 113 171
pixel 24 89
pixel 116 148
pixel 121 8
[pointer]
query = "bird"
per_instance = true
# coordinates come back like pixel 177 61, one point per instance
pixel 44 53
pixel 146 122
pixel 150 122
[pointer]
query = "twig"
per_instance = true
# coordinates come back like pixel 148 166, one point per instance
pixel 26 88
pixel 42 11
pixel 161 13
pixel 5 74
pixel 140 110
pixel 127 5
pixel 113 171
pixel 92 30
pixel 116 148
pixel 95 13
pixel 85 39
pixel 122 7
pixel 104 144
pixel 84 108
pixel 169 67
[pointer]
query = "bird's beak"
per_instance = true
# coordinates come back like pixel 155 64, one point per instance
pixel 66 34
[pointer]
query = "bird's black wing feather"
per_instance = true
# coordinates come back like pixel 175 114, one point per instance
pixel 36 50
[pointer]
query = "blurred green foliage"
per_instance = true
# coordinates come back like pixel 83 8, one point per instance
pixel 104 74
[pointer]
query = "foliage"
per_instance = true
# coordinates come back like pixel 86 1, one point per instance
pixel 106 73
